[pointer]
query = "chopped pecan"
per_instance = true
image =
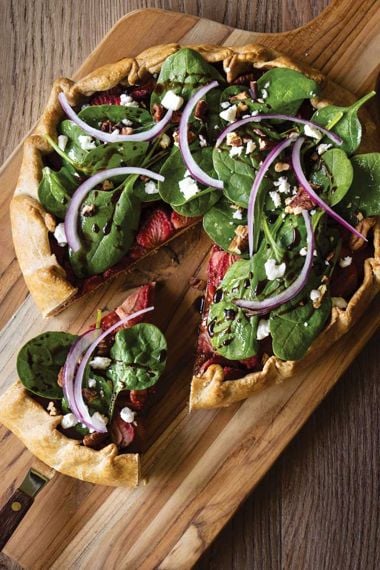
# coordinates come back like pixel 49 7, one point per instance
pixel 233 139
pixel 107 185
pixel 95 440
pixel 244 79
pixel 60 377
pixel 106 126
pixel 281 166
pixel 89 395
pixel 240 96
pixel 190 136
pixel 158 112
pixel 301 201
pixel 201 109
pixel 239 242
pixel 176 117
pixel 364 226
pixel 127 131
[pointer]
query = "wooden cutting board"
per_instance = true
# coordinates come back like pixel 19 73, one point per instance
pixel 200 467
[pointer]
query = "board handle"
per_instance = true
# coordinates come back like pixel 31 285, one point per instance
pixel 12 513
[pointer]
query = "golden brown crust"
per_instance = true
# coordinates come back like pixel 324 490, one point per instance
pixel 38 431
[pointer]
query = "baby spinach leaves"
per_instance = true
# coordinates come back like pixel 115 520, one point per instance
pixel 40 360
pixel 56 188
pixel 108 222
pixel 237 173
pixel 343 121
pixel 364 193
pixel 333 174
pixel 139 358
pixel 220 222
pixel 283 90
pixel 94 115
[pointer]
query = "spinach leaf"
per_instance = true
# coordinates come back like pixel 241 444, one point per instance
pixel 334 174
pixel 56 188
pixel 139 358
pixel 40 360
pixel 94 115
pixel 219 223
pixel 104 392
pixel 199 205
pixel 343 121
pixel 291 337
pixel 232 333
pixel 233 90
pixel 108 232
pixel 285 90
pixel 364 193
pixel 139 184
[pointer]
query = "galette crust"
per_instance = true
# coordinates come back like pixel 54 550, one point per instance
pixel 28 420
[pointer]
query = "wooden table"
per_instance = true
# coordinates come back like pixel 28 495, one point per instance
pixel 318 507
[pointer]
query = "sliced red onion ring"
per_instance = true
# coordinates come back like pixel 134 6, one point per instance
pixel 267 305
pixel 73 356
pixel 256 186
pixel 296 160
pixel 267 116
pixel 110 137
pixel 80 409
pixel 195 170
pixel 71 218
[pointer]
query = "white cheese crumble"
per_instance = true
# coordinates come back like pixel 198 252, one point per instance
pixel 127 122
pixel 276 198
pixel 274 271
pixel 282 185
pixel 264 94
pixel 251 146
pixel 127 415
pixel 229 114
pixel 164 141
pixel 237 215
pixel 306 324
pixel 321 148
pixel 303 251
pixel 315 295
pixel 188 187
pixel 60 234
pixel 345 261
pixel 99 417
pixel 339 302
pixel 69 421
pixel 225 104
pixel 86 142
pixel 91 383
pixel 263 329
pixel 100 362
pixel 62 141
pixel 172 101
pixel 151 187
pixel 313 132
pixel 254 113
pixel 127 101
pixel 235 151
pixel 114 134
pixel 202 141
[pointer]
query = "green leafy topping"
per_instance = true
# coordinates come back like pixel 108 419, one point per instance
pixel 333 174
pixel 56 188
pixel 219 222
pixel 364 193
pixel 284 90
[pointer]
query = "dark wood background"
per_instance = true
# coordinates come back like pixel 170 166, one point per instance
pixel 318 507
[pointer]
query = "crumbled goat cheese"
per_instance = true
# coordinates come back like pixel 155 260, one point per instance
pixel 188 187
pixel 251 146
pixel 151 187
pixel 276 198
pixel 254 113
pixel 235 151
pixel 86 142
pixel 100 362
pixel 127 122
pixel 172 101
pixel 339 302
pixel 69 421
pixel 225 104
pixel 62 141
pixel 306 324
pixel 229 114
pixel 313 132
pixel 264 93
pixel 263 329
pixel 127 101
pixel 274 271
pixel 313 212
pixel 127 415
pixel 237 215
pixel 202 141
pixel 315 295
pixel 100 418
pixel 60 234
pixel 262 144
pixel 52 409
pixel 282 185
pixel 91 383
pixel 303 251
pixel 321 148
pixel 345 261
pixel 266 85
pixel 164 141
pixel 115 134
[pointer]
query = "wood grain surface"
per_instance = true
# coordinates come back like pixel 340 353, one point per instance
pixel 318 507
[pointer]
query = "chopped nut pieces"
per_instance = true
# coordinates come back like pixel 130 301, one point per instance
pixel 240 241
pixel 281 166
pixel 233 139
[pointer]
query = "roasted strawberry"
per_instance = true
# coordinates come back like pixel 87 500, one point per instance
pixel 250 363
pixel 123 433
pixel 91 283
pixel 179 221
pixel 156 229
pixel 141 299
pixel 138 399
pixel 105 98
pixel 218 265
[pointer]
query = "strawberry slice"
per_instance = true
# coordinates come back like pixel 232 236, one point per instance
pixel 122 432
pixel 140 299
pixel 110 97
pixel 179 221
pixel 156 229
pixel 219 263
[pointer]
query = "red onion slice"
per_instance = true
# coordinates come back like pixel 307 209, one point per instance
pixel 267 116
pixel 73 356
pixel 71 218
pixel 256 186
pixel 110 137
pixel 79 403
pixel 296 160
pixel 262 307
pixel 195 170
